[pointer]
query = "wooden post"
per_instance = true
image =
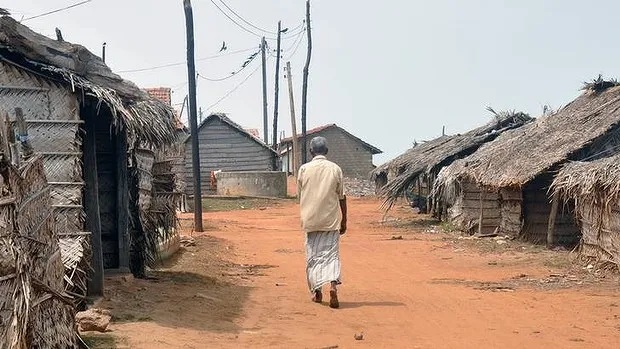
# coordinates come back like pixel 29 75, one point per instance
pixel 91 206
pixel 22 133
pixel 304 92
pixel 481 217
pixel 555 202
pixel 5 147
pixel 263 46
pixel 274 145
pixel 122 200
pixel 193 117
pixel 295 158
pixel 11 141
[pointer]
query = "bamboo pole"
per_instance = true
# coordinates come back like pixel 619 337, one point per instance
pixel 481 217
pixel 552 216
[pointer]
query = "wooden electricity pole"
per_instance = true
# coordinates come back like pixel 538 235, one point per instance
pixel 275 101
pixel 193 117
pixel 263 47
pixel 294 158
pixel 304 93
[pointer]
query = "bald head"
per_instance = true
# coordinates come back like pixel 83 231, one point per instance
pixel 318 146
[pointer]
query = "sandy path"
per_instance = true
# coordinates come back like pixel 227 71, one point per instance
pixel 419 292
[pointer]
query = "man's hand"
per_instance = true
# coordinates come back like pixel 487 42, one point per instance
pixel 343 227
pixel 343 209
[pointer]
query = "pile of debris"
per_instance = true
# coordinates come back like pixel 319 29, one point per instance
pixel 359 187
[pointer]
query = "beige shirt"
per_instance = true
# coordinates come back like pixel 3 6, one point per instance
pixel 320 188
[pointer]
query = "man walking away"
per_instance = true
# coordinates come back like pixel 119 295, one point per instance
pixel 323 219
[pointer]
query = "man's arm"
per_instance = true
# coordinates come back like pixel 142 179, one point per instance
pixel 343 209
pixel 343 201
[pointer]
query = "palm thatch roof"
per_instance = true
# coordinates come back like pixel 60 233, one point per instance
pixel 431 156
pixel 518 156
pixel 398 164
pixel 147 120
pixel 599 178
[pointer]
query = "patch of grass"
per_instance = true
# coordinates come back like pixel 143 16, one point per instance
pixel 235 204
pixel 184 278
pixel 557 260
pixel 99 341
pixel 128 317
pixel 448 227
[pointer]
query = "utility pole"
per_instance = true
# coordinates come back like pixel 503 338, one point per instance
pixel 102 51
pixel 263 47
pixel 275 101
pixel 193 122
pixel 304 93
pixel 200 114
pixel 294 159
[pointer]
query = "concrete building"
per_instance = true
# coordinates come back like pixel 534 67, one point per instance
pixel 352 154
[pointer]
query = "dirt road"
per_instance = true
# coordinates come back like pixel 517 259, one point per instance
pixel 243 286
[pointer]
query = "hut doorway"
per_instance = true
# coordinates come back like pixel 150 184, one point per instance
pixel 106 154
pixel 536 211
pixel 106 189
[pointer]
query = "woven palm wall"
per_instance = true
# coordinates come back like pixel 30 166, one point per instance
pixel 52 114
pixel 35 312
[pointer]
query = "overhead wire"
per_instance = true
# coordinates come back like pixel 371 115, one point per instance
pixel 296 47
pixel 234 21
pixel 233 74
pixel 246 21
pixel 285 37
pixel 185 62
pixel 57 10
pixel 234 89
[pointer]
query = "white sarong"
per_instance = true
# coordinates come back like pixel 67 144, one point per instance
pixel 322 258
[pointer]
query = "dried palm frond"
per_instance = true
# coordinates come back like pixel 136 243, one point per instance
pixel 599 84
pixel 595 189
pixel 35 312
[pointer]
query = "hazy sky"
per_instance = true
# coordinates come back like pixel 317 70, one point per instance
pixel 388 71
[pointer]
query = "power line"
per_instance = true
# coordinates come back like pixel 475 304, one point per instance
pixel 245 21
pixel 234 89
pixel 181 63
pixel 243 27
pixel 58 10
pixel 234 21
pixel 233 74
pixel 300 39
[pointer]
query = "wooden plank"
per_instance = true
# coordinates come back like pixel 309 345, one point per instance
pixel 122 200
pixel 91 206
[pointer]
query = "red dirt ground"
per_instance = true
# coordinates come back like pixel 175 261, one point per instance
pixel 243 286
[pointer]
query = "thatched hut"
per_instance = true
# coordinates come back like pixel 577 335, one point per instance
pixel 518 167
pixel 87 123
pixel 594 190
pixel 418 167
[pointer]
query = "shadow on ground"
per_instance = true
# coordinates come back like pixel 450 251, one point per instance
pixel 193 290
pixel 352 305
